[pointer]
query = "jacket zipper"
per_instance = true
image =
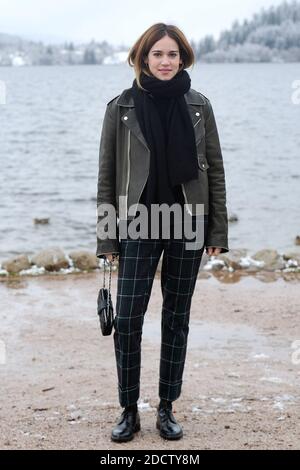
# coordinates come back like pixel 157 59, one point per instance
pixel 183 190
pixel 128 175
pixel 141 194
pixel 186 201
pixel 128 170
pixel 197 122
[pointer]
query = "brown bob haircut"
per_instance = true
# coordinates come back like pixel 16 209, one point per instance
pixel 140 50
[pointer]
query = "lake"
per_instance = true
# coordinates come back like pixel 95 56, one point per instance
pixel 49 141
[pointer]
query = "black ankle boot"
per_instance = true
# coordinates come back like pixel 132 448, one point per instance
pixel 165 404
pixel 128 424
pixel 166 423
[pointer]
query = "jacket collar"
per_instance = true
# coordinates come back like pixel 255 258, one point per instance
pixel 129 117
pixel 191 97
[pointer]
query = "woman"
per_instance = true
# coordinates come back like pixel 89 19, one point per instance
pixel 159 145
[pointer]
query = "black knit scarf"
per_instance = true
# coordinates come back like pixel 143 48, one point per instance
pixel 179 151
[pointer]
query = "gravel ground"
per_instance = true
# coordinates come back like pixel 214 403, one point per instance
pixel 241 379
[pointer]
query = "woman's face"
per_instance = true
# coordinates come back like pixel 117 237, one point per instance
pixel 164 59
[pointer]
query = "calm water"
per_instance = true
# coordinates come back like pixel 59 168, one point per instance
pixel 49 140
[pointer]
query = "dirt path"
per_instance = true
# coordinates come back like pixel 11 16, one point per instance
pixel 58 385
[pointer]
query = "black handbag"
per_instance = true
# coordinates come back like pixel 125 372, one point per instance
pixel 104 305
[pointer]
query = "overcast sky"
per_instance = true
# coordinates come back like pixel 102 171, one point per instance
pixel 120 21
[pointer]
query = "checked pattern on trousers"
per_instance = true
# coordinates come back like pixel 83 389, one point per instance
pixel 138 260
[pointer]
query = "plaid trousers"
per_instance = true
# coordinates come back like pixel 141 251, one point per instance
pixel 138 260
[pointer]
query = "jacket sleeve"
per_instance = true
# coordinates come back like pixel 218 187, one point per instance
pixel 217 232
pixel 106 190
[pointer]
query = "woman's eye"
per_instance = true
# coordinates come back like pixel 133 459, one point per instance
pixel 158 53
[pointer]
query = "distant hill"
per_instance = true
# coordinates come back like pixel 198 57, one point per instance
pixel 15 50
pixel 273 35
pixel 9 40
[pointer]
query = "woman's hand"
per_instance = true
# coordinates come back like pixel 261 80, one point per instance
pixel 110 257
pixel 213 250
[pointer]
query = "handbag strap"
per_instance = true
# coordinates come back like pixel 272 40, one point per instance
pixel 109 280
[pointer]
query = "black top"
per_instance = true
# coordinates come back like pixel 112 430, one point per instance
pixel 158 169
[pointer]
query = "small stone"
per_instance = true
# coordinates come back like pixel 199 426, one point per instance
pixel 52 259
pixel 41 221
pixel 16 264
pixel 75 415
pixel 271 258
pixel 84 260
pixel 233 218
pixel 292 256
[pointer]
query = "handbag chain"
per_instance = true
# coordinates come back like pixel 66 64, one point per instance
pixel 109 279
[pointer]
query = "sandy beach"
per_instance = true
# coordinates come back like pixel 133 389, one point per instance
pixel 241 380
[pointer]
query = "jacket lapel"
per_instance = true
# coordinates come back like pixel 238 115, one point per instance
pixel 129 118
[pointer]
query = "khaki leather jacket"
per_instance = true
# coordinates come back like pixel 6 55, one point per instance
pixel 124 159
